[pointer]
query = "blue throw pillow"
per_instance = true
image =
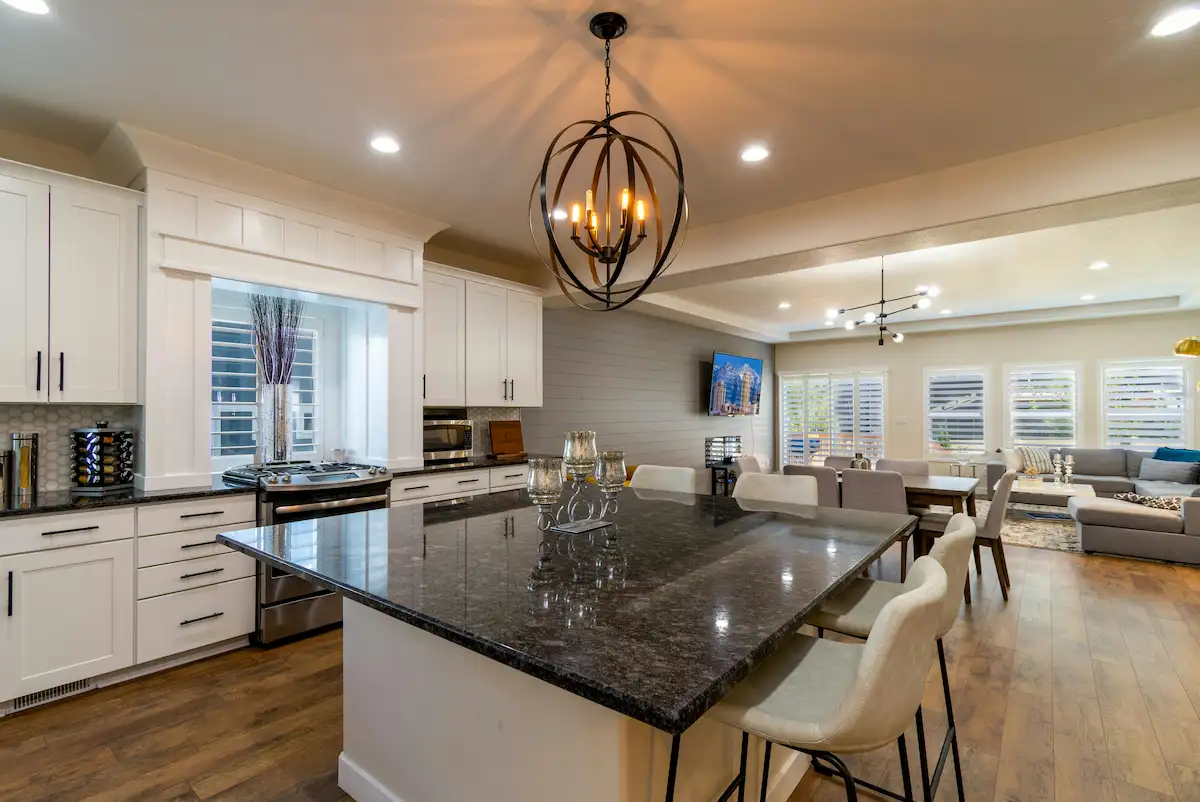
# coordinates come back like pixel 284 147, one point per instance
pixel 1177 454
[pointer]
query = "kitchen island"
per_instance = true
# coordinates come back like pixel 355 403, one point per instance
pixel 485 659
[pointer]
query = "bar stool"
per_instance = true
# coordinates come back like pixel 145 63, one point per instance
pixel 661 477
pixel 822 696
pixel 777 487
pixel 856 612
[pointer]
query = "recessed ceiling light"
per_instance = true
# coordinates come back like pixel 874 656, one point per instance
pixel 1088 297
pixel 1176 21
pixel 947 312
pixel 29 6
pixel 384 143
pixel 1099 264
pixel 755 153
pixel 784 305
pixel 560 214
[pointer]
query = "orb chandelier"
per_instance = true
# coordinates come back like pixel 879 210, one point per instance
pixel 610 221
pixel 880 318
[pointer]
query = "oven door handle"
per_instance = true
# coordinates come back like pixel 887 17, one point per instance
pixel 331 505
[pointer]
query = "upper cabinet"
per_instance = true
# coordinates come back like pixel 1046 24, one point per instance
pixel 69 266
pixel 483 342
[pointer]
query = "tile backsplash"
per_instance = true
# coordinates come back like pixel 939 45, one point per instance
pixel 53 423
pixel 480 417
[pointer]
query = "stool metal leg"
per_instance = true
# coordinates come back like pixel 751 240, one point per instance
pixel 842 771
pixel 905 773
pixel 674 767
pixel 762 797
pixel 924 759
pixel 951 732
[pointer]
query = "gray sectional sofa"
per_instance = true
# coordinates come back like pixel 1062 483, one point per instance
pixel 1120 527
pixel 1108 470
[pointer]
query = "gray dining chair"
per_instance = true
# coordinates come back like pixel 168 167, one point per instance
pixel 908 467
pixel 829 490
pixel 837 463
pixel 989 528
pixel 878 491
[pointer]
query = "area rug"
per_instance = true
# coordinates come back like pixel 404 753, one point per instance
pixel 1021 530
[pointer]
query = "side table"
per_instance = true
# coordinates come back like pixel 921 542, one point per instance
pixel 723 473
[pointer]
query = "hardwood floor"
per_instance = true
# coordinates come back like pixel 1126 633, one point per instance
pixel 1085 685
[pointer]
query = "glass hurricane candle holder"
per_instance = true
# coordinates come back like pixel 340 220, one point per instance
pixel 610 477
pixel 579 453
pixel 544 480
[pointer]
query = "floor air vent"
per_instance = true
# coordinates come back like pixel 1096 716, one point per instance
pixel 41 697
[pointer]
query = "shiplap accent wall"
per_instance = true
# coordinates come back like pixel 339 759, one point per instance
pixel 637 381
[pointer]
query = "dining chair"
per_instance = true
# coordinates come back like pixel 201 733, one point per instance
pixel 748 464
pixel 661 477
pixel 777 487
pixel 829 490
pixel 825 697
pixel 837 463
pixel 855 610
pixel 878 491
pixel 989 528
pixel 908 467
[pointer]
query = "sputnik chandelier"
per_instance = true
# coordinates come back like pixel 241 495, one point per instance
pixel 880 318
pixel 610 224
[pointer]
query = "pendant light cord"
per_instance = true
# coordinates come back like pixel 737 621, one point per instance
pixel 607 78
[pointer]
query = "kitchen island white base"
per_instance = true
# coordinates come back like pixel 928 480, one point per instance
pixel 426 720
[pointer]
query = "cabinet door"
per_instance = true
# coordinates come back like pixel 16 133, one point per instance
pixel 71 616
pixel 445 341
pixel 93 298
pixel 25 299
pixel 487 379
pixel 524 341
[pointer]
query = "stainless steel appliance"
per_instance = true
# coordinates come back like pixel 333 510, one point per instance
pixel 448 439
pixel 101 459
pixel 295 491
pixel 23 473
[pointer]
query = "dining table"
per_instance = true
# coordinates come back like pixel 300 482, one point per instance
pixel 957 492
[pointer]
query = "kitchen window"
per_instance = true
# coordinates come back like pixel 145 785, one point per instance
pixel 826 414
pixel 1146 405
pixel 1042 406
pixel 955 412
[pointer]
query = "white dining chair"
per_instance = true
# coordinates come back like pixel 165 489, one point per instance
pixel 855 610
pixel 824 697
pixel 748 464
pixel 662 477
pixel 776 487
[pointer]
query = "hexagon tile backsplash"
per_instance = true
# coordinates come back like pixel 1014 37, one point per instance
pixel 54 422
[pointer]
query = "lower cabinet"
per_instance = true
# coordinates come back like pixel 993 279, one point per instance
pixel 68 616
pixel 189 619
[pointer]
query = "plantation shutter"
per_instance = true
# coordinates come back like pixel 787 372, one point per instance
pixel 1146 405
pixel 955 412
pixel 1042 406
pixel 831 414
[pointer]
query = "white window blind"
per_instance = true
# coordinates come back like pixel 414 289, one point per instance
pixel 1146 405
pixel 235 391
pixel 831 414
pixel 955 412
pixel 1041 406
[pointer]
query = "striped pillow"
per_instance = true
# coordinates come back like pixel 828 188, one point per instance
pixel 1038 457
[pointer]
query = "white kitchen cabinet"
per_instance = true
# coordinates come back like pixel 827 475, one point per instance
pixel 70 618
pixel 93 297
pixel 25 300
pixel 523 340
pixel 487 349
pixel 445 341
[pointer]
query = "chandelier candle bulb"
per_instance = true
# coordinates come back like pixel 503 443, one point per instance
pixel 624 199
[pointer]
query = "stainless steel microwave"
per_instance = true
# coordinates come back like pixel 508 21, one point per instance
pixel 447 439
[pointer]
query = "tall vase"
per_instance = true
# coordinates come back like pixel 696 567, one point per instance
pixel 274 445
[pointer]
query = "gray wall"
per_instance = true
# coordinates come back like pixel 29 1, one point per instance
pixel 636 380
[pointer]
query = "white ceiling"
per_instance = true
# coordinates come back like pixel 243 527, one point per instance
pixel 847 94
pixel 1152 255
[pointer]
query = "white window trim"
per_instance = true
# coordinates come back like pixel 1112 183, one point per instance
pixel 988 389
pixel 782 376
pixel 1007 416
pixel 1189 381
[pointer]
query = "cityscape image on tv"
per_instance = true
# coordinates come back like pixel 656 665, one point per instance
pixel 736 385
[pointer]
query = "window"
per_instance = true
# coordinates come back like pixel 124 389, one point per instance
pixel 1146 405
pixel 826 414
pixel 954 412
pixel 235 391
pixel 1041 406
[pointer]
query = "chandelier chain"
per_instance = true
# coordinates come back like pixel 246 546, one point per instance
pixel 607 78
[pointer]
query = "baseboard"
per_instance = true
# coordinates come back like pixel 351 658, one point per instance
pixel 361 787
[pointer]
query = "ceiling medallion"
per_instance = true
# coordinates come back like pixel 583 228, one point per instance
pixel 609 225
pixel 880 318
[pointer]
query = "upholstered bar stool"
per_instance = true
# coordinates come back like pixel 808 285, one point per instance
pixel 661 477
pixel 856 610
pixel 748 464
pixel 777 487
pixel 824 697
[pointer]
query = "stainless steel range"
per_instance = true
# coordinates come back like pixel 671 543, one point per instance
pixel 295 491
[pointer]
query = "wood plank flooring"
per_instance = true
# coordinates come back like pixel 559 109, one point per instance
pixel 1085 686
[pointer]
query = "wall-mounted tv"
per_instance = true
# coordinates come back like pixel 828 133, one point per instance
pixel 736 387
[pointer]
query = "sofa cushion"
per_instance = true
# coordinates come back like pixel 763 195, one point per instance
pixel 1177 454
pixel 1133 462
pixel 1104 484
pixel 1012 459
pixel 1163 471
pixel 1123 515
pixel 1098 461
pixel 1171 503
pixel 1036 457
pixel 1147 487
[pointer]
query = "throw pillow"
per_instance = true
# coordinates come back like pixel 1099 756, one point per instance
pixel 1165 471
pixel 1038 457
pixel 1177 454
pixel 1169 503
pixel 1012 460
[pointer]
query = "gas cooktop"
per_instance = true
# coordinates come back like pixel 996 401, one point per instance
pixel 301 472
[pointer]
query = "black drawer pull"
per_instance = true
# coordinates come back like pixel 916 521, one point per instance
pixel 513 475
pixel 417 487
pixel 202 618
pixel 467 481
pixel 10 583
pixel 202 573
pixel 198 545
pixel 201 514
pixel 70 531
pixel 39 375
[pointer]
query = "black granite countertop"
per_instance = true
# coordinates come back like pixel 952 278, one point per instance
pixel 656 617
pixel 461 465
pixel 66 501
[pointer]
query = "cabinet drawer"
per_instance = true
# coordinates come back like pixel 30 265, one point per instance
pixel 160 580
pixel 509 477
pixel 190 619
pixel 155 519
pixel 440 484
pixel 72 529
pixel 176 546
